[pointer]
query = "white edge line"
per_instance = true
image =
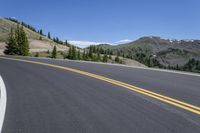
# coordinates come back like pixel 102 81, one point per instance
pixel 122 65
pixel 3 100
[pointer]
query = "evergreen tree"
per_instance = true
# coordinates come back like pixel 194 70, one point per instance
pixel 37 54
pixel 22 42
pixel 98 57
pixel 87 56
pixel 54 52
pixel 84 55
pixel 57 40
pixel 17 42
pixel 74 53
pixel 91 52
pixel 105 58
pixel 117 59
pixel 101 51
pixel 70 53
pixel 177 67
pixel 40 38
pixel 110 57
pixel 49 35
pixel 79 55
pixel 54 39
pixel 41 32
pixel 66 43
pixel 11 47
pixel 94 49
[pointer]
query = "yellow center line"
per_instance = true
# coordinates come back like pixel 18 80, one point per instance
pixel 166 99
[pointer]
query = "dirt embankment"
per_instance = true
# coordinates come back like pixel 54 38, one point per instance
pixel 38 46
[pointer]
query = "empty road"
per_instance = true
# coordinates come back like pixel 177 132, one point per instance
pixel 56 96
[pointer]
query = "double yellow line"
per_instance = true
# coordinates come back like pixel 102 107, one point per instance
pixel 166 99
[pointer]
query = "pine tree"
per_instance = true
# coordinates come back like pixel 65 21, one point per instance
pixel 11 47
pixel 117 59
pixel 40 38
pixel 79 55
pixel 17 42
pixel 37 54
pixel 91 52
pixel 87 56
pixel 98 57
pixel 22 42
pixel 66 43
pixel 54 39
pixel 110 57
pixel 94 49
pixel 105 58
pixel 49 35
pixel 41 32
pixel 84 55
pixel 54 52
pixel 74 54
pixel 70 53
pixel 57 40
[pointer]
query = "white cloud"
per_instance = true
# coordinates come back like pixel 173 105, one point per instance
pixel 123 41
pixel 83 44
pixel 14 17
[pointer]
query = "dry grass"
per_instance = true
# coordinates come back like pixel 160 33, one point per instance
pixel 35 44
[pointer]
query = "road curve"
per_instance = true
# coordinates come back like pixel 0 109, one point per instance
pixel 45 99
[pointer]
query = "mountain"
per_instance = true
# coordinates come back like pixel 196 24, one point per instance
pixel 165 52
pixel 37 42
pixel 85 44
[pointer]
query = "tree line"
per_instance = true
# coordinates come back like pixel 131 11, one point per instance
pixel 192 65
pixel 40 31
pixel 92 53
pixel 145 57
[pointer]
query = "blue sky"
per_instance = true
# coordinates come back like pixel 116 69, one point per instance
pixel 108 20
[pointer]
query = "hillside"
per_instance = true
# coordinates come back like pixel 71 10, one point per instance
pixel 164 52
pixel 36 43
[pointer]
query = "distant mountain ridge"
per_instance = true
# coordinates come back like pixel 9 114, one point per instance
pixel 168 52
pixel 84 44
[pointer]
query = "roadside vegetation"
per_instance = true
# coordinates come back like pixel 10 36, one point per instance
pixel 92 53
pixel 17 43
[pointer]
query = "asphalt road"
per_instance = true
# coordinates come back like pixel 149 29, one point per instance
pixel 43 99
